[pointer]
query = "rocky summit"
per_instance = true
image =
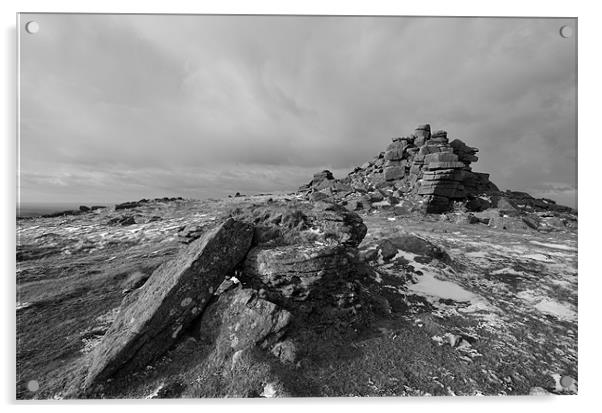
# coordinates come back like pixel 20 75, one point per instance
pixel 424 164
pixel 412 275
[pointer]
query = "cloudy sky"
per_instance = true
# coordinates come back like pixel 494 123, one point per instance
pixel 116 108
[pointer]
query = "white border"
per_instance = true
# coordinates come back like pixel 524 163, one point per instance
pixel 589 236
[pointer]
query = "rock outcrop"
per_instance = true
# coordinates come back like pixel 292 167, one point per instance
pixel 324 185
pixel 237 285
pixel 428 165
pixel 424 171
pixel 304 255
pixel 239 320
pixel 269 295
pixel 177 292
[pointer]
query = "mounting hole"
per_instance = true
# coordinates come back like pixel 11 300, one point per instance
pixel 33 385
pixel 32 27
pixel 566 31
pixel 566 381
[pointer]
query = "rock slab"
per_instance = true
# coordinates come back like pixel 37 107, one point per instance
pixel 175 295
pixel 240 319
pixel 299 272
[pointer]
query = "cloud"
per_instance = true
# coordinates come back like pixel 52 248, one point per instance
pixel 126 106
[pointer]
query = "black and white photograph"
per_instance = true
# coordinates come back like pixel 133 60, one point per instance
pixel 294 206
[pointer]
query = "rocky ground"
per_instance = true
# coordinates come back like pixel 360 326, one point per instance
pixel 459 303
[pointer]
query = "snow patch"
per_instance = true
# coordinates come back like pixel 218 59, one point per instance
pixel 562 311
pixel 559 310
pixel 430 286
pixel 556 246
pixel 537 257
pixel 506 271
pixel 155 393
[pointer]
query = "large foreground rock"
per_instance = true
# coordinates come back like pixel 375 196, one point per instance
pixel 300 272
pixel 175 294
pixel 304 254
pixel 239 320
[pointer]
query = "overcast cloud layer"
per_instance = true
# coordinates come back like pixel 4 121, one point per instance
pixel 123 107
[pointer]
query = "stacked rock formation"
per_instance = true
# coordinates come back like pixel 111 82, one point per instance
pixel 436 169
pixel 425 164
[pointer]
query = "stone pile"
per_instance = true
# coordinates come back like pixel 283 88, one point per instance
pixel 436 169
pixel 425 164
pixel 324 183
pixel 321 180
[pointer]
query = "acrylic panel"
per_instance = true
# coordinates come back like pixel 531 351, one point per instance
pixel 216 206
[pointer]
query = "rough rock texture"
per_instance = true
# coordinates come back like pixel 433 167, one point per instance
pixel 414 244
pixel 151 319
pixel 424 164
pixel 321 180
pixel 426 169
pixel 300 272
pixel 455 292
pixel 240 319
pixel 304 255
pixel 288 223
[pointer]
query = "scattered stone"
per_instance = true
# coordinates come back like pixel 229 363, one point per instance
pixel 123 220
pixel 286 351
pixel 128 205
pixel 477 204
pixel 531 221
pixel 362 204
pixel 393 173
pixel 369 255
pixel 419 246
pixel 62 213
pixel 191 232
pixel 321 180
pixel 319 196
pixel 376 196
pixel 506 206
pixel 387 249
pixel 401 211
pixel 472 219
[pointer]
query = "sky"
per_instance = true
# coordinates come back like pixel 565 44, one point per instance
pixel 123 107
